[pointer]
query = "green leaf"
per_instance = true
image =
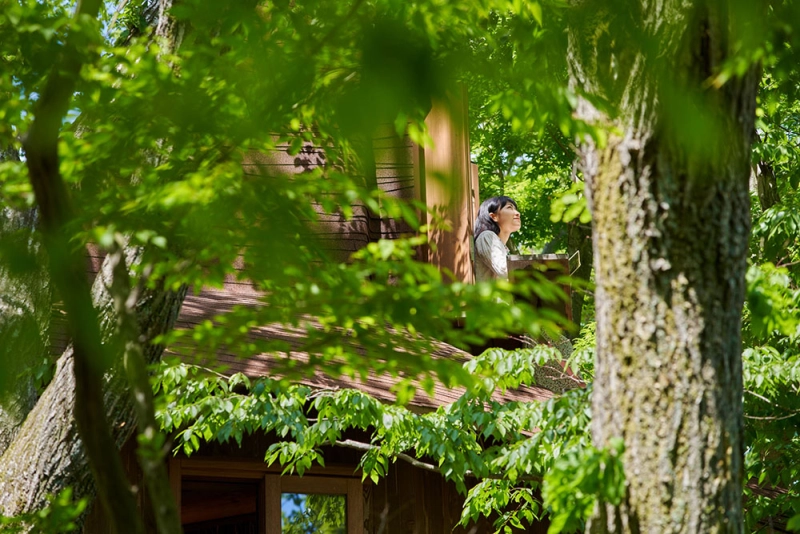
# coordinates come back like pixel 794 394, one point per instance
pixel 536 10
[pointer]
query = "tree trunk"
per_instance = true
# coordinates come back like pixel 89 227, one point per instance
pixel 47 454
pixel 579 241
pixel 767 184
pixel 25 304
pixel 670 211
pixel 25 307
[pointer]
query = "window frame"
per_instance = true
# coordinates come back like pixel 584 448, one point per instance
pixel 331 480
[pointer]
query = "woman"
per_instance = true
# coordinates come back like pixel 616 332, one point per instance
pixel 498 218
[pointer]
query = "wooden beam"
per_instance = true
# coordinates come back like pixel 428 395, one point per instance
pixel 253 469
pixel 315 485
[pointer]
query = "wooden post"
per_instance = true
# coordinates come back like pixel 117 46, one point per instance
pixel 448 184
pixel 271 496
pixel 355 506
pixel 174 467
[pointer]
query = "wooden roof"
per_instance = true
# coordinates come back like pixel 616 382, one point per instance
pixel 211 302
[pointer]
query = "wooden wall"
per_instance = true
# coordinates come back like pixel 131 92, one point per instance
pixel 397 173
pixel 441 176
pixel 339 236
pixel 394 169
pixel 408 500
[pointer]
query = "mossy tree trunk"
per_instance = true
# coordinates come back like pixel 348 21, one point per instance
pixel 579 244
pixel 669 197
pixel 25 307
pixel 767 185
pixel 68 439
pixel 47 453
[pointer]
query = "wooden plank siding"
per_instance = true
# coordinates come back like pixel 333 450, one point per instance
pixel 339 236
pixel 395 169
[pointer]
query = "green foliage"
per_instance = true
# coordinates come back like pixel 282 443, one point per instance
pixel 516 506
pixel 581 480
pixel 313 513
pixel 534 196
pixel 521 142
pixel 778 120
pixel 129 22
pixel 165 159
pixel 582 359
pixel 571 206
pixel 59 515
pixel 771 372
pixel 358 298
pixel 776 232
pixel 770 321
pixel 474 438
pixel 157 145
pixel 773 303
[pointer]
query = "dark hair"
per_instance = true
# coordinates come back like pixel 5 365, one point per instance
pixel 491 205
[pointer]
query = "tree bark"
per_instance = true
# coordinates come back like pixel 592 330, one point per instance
pixel 25 308
pixel 671 223
pixel 152 450
pixel 767 185
pixel 47 454
pixel 67 435
pixel 67 269
pixel 579 241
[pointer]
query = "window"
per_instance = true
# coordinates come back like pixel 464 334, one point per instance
pixel 232 497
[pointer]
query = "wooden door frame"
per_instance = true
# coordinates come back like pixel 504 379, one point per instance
pixel 336 480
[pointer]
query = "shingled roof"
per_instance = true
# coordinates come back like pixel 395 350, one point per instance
pixel 211 302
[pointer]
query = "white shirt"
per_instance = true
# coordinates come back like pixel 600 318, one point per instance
pixel 490 257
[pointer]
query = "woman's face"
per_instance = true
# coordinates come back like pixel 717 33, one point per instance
pixel 507 218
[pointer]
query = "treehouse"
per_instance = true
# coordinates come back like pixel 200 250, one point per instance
pixel 227 488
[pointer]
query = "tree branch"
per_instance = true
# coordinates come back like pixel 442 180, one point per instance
pixel 366 447
pixel 572 150
pixel 68 274
pixel 151 451
pixel 771 418
pixel 768 417
pixel 756 395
